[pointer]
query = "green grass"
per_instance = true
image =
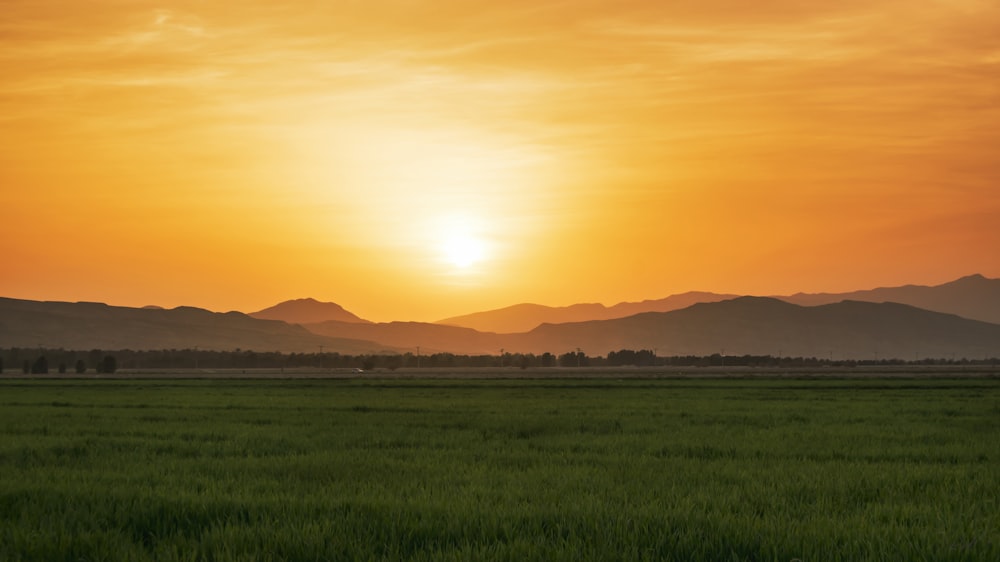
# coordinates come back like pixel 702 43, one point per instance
pixel 500 470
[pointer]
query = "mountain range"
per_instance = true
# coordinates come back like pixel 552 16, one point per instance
pixel 744 325
pixel 86 325
pixel 957 319
pixel 768 326
pixel 974 297
pixel 524 317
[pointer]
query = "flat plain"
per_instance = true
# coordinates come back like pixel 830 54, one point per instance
pixel 495 469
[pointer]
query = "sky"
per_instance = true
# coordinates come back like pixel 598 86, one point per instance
pixel 416 160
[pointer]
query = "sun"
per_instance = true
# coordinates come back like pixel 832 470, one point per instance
pixel 464 251
pixel 461 243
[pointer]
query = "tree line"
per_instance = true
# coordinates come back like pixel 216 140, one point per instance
pixel 45 361
pixel 62 361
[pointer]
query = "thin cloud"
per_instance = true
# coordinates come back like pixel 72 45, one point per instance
pixel 660 119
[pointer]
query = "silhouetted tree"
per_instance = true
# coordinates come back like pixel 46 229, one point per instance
pixel 548 360
pixel 26 367
pixel 95 359
pixel 573 359
pixel 1 364
pixel 108 365
pixel 81 366
pixel 630 357
pixel 40 367
pixel 62 367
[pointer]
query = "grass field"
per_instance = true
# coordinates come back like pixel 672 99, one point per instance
pixel 500 470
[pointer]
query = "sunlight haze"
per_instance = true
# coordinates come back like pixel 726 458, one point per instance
pixel 414 161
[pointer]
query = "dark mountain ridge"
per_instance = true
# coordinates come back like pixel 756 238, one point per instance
pixel 974 297
pixel 745 325
pixel 524 317
pixel 307 311
pixel 768 326
pixel 100 326
pixel 430 338
pixel 847 329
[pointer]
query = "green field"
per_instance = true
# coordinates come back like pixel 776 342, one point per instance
pixel 500 470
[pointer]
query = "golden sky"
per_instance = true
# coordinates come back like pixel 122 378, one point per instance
pixel 417 160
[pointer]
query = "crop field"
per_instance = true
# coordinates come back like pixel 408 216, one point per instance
pixel 519 470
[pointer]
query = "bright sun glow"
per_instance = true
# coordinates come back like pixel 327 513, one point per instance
pixel 460 244
pixel 463 252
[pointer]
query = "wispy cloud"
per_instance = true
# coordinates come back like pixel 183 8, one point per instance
pixel 556 112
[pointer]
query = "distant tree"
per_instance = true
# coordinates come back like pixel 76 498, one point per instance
pixel 41 366
pixel 26 367
pixel 630 357
pixel 1 365
pixel 81 366
pixel 548 360
pixel 571 359
pixel 108 365
pixel 62 367
pixel 94 357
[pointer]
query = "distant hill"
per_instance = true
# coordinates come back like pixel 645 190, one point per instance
pixel 524 317
pixel 430 338
pixel 99 326
pixel 745 325
pixel 855 329
pixel 974 297
pixel 306 311
pixel 767 326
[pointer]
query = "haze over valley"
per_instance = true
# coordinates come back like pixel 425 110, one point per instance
pixel 956 319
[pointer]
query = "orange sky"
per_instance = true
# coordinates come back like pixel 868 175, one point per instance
pixel 418 160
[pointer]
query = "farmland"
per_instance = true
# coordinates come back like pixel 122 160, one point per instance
pixel 490 469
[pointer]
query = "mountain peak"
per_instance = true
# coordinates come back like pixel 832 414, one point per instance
pixel 307 311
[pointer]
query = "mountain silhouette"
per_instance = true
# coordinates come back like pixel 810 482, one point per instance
pixel 768 326
pixel 99 326
pixel 745 325
pixel 430 338
pixel 306 311
pixel 523 317
pixel 975 297
pixel 847 329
